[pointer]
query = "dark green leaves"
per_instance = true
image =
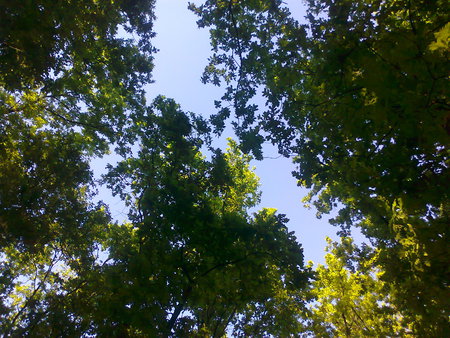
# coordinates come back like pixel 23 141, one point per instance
pixel 359 96
pixel 201 256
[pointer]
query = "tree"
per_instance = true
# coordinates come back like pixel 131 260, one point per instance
pixel 190 259
pixel 68 86
pixel 196 257
pixel 359 98
pixel 351 301
pixel 43 44
pixel 71 87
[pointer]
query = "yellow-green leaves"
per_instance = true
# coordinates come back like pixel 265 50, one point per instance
pixel 349 302
pixel 245 193
pixel 442 42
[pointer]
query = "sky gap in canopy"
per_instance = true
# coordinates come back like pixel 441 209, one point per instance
pixel 179 63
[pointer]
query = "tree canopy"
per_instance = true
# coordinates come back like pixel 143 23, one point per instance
pixel 351 301
pixel 356 94
pixel 190 259
pixel 358 97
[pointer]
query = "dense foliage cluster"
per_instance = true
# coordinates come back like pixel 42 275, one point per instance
pixel 357 96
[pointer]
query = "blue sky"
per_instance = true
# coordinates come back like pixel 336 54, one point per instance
pixel 183 53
